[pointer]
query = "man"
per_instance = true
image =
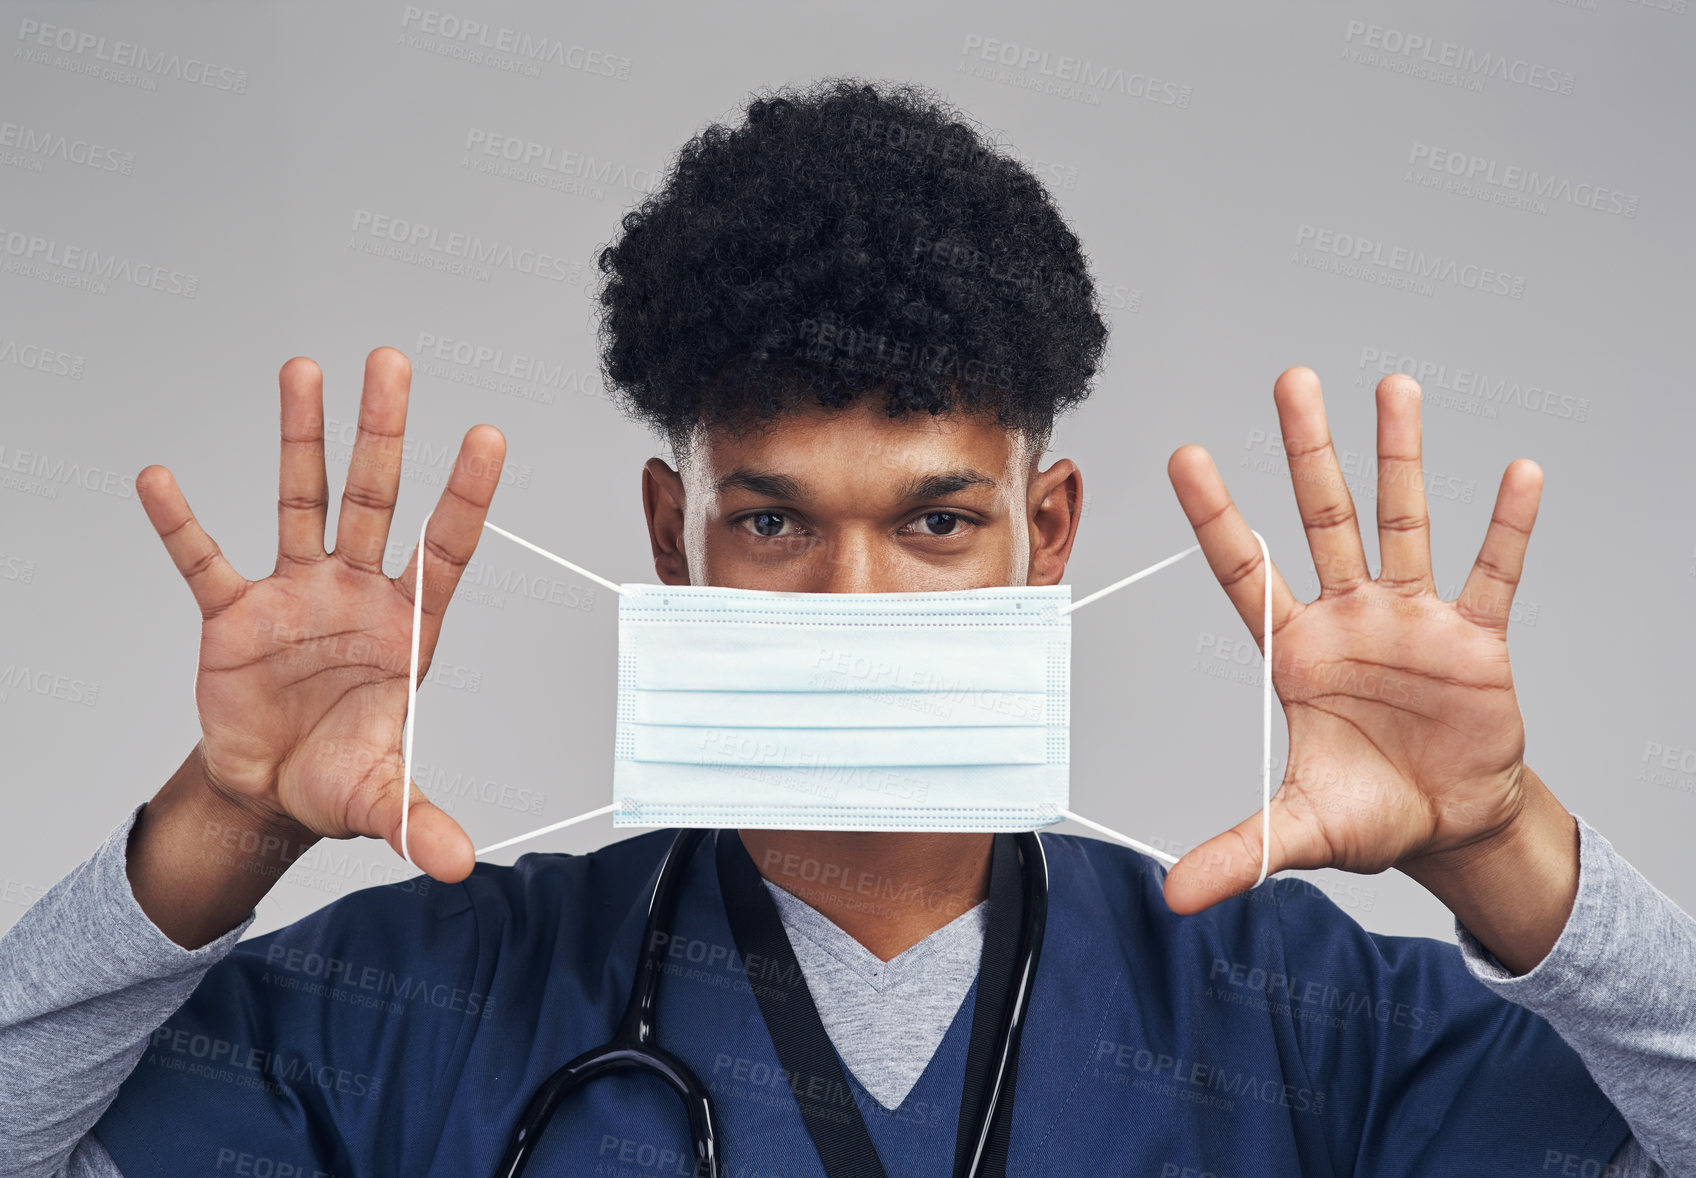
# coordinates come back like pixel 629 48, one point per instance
pixel 855 325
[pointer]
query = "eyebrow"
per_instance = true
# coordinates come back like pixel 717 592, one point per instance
pixel 762 483
pixel 781 486
pixel 940 486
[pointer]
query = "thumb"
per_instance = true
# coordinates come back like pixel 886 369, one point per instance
pixel 1228 864
pixel 439 845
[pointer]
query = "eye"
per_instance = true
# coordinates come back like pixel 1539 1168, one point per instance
pixel 941 523
pixel 766 524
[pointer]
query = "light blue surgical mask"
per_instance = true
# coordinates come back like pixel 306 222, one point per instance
pixel 842 711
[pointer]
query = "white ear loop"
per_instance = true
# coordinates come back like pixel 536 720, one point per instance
pixel 1266 702
pixel 412 693
pixel 1265 713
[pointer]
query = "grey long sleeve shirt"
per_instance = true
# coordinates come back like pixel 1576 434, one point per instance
pixel 86 977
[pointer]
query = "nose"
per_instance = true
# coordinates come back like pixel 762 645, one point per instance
pixel 851 564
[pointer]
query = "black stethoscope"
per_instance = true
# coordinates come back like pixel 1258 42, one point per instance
pixel 1004 973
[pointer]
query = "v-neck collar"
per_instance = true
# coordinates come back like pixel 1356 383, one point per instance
pixel 801 917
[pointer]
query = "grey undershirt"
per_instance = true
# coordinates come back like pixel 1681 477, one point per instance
pixel 85 978
pixel 885 1018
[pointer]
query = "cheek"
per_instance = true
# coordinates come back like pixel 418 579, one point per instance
pixel 783 563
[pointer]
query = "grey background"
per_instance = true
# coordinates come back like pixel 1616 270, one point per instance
pixel 1191 211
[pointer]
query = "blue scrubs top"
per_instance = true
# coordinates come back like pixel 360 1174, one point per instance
pixel 402 1029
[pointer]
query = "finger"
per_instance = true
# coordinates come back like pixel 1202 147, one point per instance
pixel 1487 596
pixel 215 585
pixel 439 846
pixel 303 493
pixel 1229 863
pixel 1322 497
pixel 457 523
pixel 1226 541
pixel 373 473
pixel 1404 524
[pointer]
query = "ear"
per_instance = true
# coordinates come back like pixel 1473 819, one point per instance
pixel 1054 500
pixel 663 503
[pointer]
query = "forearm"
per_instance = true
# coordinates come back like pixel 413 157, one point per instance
pixel 85 979
pixel 1618 985
pixel 1549 916
pixel 199 863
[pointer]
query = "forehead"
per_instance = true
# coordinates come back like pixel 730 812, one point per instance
pixel 857 451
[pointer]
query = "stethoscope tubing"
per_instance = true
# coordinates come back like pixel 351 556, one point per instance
pixel 633 1046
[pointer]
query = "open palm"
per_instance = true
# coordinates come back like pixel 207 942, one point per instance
pixel 302 679
pixel 1406 738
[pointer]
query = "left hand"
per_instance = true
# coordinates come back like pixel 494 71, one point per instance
pixel 1406 741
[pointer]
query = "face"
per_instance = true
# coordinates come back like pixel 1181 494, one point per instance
pixel 850 501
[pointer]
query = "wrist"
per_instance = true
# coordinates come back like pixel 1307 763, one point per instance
pixel 199 861
pixel 257 829
pixel 1515 889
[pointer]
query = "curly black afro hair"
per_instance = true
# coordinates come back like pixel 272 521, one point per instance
pixel 848 237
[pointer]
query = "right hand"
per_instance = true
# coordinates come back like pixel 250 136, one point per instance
pixel 301 684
